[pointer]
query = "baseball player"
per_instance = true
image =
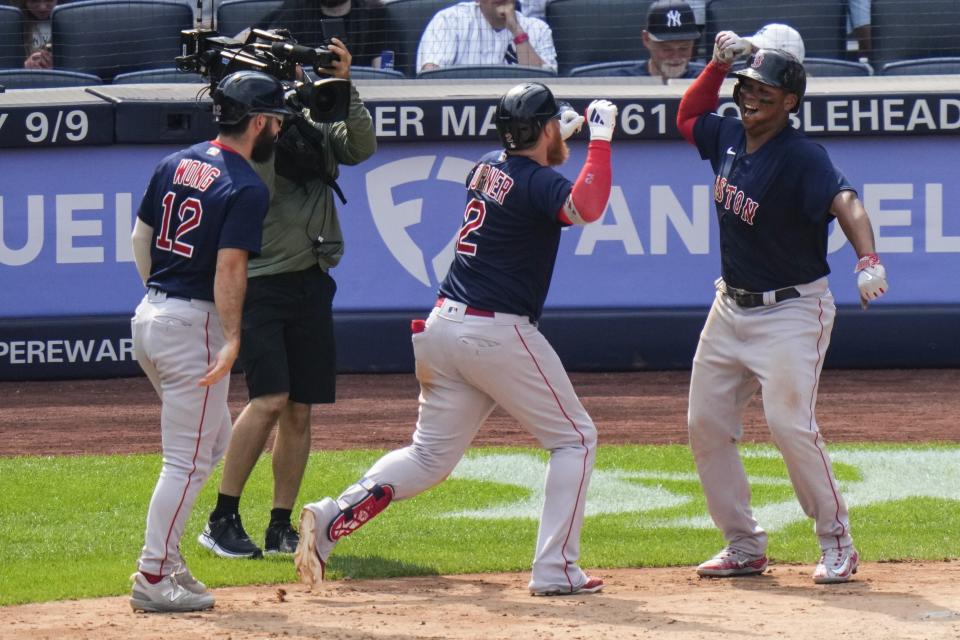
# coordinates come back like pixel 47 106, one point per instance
pixel 480 346
pixel 199 220
pixel 775 193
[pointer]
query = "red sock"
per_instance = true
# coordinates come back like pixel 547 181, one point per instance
pixel 152 578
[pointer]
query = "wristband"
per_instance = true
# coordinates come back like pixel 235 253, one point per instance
pixel 520 38
pixel 868 260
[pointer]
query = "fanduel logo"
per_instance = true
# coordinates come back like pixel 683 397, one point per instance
pixel 393 218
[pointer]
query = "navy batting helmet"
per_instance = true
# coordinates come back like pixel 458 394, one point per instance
pixel 775 68
pixel 521 114
pixel 248 92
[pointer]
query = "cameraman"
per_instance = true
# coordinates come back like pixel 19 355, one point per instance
pixel 287 345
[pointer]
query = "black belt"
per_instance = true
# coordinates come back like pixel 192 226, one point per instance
pixel 750 299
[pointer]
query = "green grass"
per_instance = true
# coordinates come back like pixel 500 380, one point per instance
pixel 72 527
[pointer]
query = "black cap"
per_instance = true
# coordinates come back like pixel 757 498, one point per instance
pixel 671 20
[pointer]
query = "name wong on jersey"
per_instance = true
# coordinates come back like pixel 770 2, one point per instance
pixel 196 174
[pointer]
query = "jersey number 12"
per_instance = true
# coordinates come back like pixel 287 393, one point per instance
pixel 472 220
pixel 189 214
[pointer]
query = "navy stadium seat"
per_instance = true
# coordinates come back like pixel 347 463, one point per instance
pixel 487 71
pixel 236 15
pixel 46 78
pixel 915 29
pixel 826 67
pixel 105 37
pixel 922 66
pixel 158 76
pixel 370 73
pixel 617 68
pixel 406 20
pixel 592 31
pixel 12 53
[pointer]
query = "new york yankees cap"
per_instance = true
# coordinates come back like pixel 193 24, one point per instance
pixel 671 20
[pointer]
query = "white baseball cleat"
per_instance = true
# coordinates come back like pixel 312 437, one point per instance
pixel 836 565
pixel 732 562
pixel 166 596
pixel 592 585
pixel 186 580
pixel 315 544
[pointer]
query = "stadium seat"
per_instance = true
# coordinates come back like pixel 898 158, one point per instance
pixel 158 76
pixel 617 68
pixel 12 53
pixel 370 73
pixel 913 30
pixel 106 37
pixel 406 20
pixel 821 23
pixel 922 66
pixel 591 31
pixel 826 67
pixel 46 78
pixel 236 15
pixel 487 71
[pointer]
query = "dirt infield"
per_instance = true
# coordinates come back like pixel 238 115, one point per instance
pixel 890 600
pixel 887 601
pixel 379 411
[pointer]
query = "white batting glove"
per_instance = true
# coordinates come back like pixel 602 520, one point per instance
pixel 728 46
pixel 871 279
pixel 570 122
pixel 602 119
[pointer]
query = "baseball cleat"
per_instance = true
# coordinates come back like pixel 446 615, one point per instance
pixel 836 565
pixel 166 596
pixel 226 537
pixel 592 585
pixel 186 580
pixel 280 538
pixel 733 562
pixel 315 545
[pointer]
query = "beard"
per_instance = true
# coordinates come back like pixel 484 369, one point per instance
pixel 263 146
pixel 673 69
pixel 558 152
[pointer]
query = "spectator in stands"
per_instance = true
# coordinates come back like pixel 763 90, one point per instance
pixel 364 22
pixel 36 33
pixel 779 36
pixel 670 37
pixel 488 32
pixel 858 24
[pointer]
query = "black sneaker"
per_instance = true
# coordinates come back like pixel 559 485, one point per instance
pixel 226 538
pixel 280 538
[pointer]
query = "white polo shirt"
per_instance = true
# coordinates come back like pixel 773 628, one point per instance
pixel 461 35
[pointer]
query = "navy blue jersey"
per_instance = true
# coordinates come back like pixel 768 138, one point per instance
pixel 200 200
pixel 507 244
pixel 773 204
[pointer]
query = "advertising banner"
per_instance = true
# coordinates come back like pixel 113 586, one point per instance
pixel 66 217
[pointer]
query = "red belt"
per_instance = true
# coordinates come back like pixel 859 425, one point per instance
pixel 471 311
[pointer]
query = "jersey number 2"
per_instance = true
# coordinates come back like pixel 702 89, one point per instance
pixel 472 220
pixel 189 213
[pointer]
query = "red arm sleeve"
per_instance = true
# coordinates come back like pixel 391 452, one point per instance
pixel 700 97
pixel 590 193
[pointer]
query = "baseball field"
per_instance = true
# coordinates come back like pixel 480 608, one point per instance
pixel 78 461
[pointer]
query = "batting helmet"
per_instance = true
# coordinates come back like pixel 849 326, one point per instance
pixel 774 68
pixel 248 92
pixel 521 114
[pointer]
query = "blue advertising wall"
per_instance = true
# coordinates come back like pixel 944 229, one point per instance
pixel 66 216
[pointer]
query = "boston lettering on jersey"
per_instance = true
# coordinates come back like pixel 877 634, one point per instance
pixel 196 174
pixel 491 181
pixel 728 195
